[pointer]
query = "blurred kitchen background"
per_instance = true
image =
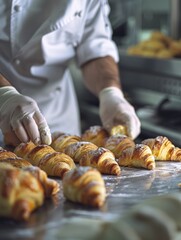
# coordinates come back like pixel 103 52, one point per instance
pixel 152 85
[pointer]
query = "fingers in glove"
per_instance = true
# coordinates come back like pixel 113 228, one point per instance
pixel 20 131
pixel 31 128
pixel 133 126
pixel 43 127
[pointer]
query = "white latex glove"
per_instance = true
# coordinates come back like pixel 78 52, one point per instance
pixel 21 119
pixel 115 109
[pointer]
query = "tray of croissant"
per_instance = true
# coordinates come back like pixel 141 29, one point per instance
pixel 98 175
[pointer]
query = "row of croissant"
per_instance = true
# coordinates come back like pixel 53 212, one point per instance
pixel 78 161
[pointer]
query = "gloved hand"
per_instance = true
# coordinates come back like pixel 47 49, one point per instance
pixel 115 109
pixel 21 119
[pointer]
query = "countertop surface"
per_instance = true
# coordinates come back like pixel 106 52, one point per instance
pixel 124 191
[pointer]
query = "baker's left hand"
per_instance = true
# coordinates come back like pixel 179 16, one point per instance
pixel 115 109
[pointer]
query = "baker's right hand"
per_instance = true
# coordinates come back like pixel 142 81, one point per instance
pixel 21 119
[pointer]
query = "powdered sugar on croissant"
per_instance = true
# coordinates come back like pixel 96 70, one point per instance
pixel 139 156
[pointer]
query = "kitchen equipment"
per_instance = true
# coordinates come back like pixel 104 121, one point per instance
pixel 154 88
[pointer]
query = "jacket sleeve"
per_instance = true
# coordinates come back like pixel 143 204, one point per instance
pixel 97 37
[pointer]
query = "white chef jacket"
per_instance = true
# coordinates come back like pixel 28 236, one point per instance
pixel 38 38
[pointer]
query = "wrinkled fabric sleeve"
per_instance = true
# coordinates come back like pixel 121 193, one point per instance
pixel 97 37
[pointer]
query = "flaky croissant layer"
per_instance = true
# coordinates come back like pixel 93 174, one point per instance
pixel 44 156
pixel 84 185
pixel 139 156
pixel 20 193
pixel 163 149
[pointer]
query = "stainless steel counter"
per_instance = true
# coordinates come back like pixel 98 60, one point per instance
pixel 124 191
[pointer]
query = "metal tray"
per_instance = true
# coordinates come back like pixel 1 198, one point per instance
pixel 130 188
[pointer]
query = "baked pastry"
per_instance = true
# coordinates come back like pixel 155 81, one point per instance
pixel 159 36
pixel 21 193
pixel 50 186
pixel 117 143
pixel 16 162
pixel 96 135
pixel 45 157
pixel 6 154
pixel 61 140
pixel 84 185
pixel 79 149
pixel 23 149
pixel 163 149
pixel 118 129
pixel 12 159
pixel 139 156
pixel 175 48
pixel 102 159
pixel 115 140
pixel 176 155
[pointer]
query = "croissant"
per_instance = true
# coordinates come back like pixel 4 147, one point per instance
pixel 50 186
pixel 118 130
pixel 21 193
pixel 117 143
pixel 4 154
pixel 139 156
pixel 84 185
pixel 79 149
pixel 61 140
pixel 96 135
pixel 102 159
pixel 176 154
pixel 163 149
pixel 45 157
pixel 23 149
pixel 16 162
pixel 12 159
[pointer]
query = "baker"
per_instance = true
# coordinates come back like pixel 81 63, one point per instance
pixel 37 41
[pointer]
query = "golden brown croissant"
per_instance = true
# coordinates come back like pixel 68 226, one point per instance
pixel 96 135
pixel 45 157
pixel 117 143
pixel 23 149
pixel 50 186
pixel 12 159
pixel 6 154
pixel 118 130
pixel 21 193
pixel 139 156
pixel 87 154
pixel 163 149
pixel 17 162
pixel 79 149
pixel 176 154
pixel 102 159
pixel 61 140
pixel 84 185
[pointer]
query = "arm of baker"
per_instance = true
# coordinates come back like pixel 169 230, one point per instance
pixel 98 56
pixel 20 117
